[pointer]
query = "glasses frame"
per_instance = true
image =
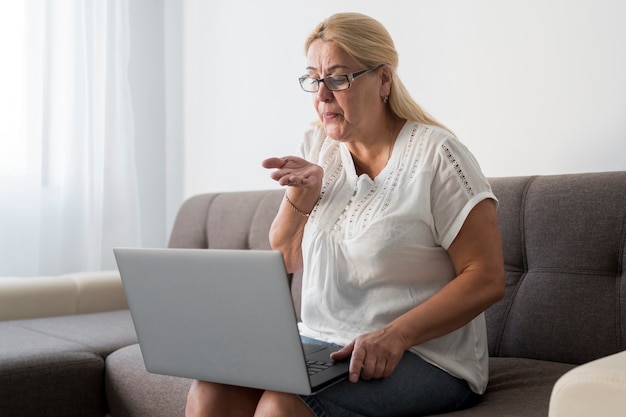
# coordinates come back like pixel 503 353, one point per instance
pixel 349 78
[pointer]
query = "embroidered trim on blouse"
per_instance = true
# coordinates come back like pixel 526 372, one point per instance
pixel 383 195
pixel 420 144
pixel 331 178
pixel 458 169
pixel 357 209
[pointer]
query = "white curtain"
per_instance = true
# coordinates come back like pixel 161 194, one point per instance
pixel 68 188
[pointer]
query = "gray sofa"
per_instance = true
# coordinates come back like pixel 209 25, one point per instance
pixel 564 240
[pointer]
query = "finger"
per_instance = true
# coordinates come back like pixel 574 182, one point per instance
pixel 289 179
pixel 342 353
pixel 285 177
pixel 371 367
pixel 356 364
pixel 390 367
pixel 273 163
pixel 280 176
pixel 379 368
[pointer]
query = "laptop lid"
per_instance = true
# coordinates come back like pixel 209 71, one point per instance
pixel 217 315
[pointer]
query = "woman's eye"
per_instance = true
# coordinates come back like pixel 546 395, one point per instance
pixel 338 80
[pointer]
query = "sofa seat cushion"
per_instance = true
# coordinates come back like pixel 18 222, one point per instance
pixel 55 366
pixel 68 384
pixel 517 388
pixel 100 333
pixel 134 392
pixel 43 375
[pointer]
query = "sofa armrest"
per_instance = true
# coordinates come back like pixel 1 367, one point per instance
pixel 46 296
pixel 597 388
pixel 98 291
pixel 40 296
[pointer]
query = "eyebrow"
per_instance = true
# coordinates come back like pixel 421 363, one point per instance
pixel 330 69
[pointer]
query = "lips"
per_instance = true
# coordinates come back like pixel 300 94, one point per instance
pixel 329 115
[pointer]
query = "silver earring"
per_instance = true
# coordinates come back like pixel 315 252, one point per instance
pixel 386 99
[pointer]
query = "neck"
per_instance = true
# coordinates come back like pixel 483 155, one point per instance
pixel 371 157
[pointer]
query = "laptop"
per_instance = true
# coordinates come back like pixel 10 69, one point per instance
pixel 222 316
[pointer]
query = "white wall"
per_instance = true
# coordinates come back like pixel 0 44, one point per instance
pixel 532 87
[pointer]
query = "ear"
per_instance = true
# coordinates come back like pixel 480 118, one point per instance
pixel 386 76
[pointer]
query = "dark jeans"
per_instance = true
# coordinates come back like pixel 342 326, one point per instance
pixel 416 388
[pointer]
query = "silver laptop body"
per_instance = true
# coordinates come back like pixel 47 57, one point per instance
pixel 223 316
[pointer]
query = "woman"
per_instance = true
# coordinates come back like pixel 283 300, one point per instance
pixel 395 228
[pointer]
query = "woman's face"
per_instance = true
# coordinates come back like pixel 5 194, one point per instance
pixel 348 114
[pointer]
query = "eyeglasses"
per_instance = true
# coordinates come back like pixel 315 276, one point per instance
pixel 332 82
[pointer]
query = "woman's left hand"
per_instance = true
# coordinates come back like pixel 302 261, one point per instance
pixel 374 355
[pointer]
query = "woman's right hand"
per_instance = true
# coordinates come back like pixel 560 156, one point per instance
pixel 304 182
pixel 295 172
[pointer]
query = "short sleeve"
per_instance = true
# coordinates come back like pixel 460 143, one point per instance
pixel 458 186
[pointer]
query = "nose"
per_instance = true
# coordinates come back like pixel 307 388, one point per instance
pixel 323 93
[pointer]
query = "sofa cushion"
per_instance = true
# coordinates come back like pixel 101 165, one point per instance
pixel 517 388
pixel 134 392
pixel 44 375
pixel 238 220
pixel 564 245
pixel 55 366
pixel 68 384
pixel 100 333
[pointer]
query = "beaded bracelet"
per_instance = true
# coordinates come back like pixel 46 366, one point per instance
pixel 296 209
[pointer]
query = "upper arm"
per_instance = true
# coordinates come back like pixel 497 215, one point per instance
pixel 477 248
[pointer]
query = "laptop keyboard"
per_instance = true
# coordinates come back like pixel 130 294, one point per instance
pixel 314 367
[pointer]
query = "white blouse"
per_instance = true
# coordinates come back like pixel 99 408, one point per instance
pixel 374 249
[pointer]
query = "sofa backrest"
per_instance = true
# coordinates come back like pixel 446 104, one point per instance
pixel 563 242
pixel 563 238
pixel 238 220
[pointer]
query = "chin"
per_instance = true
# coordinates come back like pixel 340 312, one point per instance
pixel 334 133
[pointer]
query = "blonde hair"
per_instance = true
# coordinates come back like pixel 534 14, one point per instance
pixel 368 42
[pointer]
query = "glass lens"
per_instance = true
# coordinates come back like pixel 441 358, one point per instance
pixel 337 82
pixel 309 84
